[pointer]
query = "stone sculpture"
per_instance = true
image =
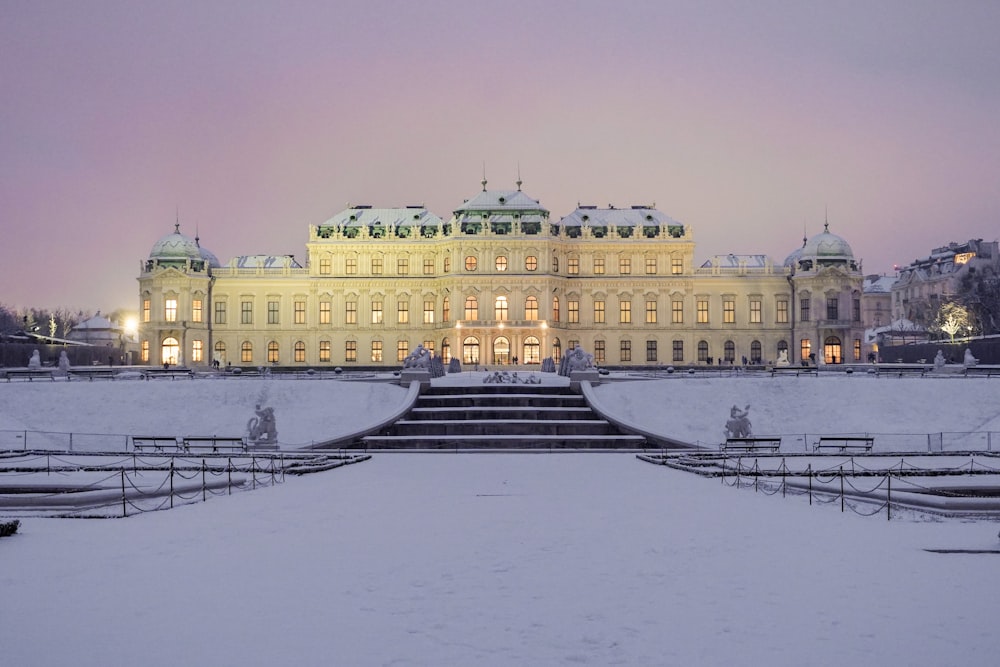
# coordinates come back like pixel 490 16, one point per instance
pixel 939 360
pixel 63 363
pixel 576 359
pixel 782 358
pixel 738 425
pixel 420 358
pixel 969 360
pixel 35 362
pixel 263 429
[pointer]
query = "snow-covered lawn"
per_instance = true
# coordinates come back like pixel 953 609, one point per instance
pixel 503 559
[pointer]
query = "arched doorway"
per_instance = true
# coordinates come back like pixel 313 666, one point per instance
pixel 832 353
pixel 170 351
pixel 470 350
pixel 501 350
pixel 532 350
pixel 556 351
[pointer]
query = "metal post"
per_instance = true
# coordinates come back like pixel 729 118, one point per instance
pixel 203 496
pixel 124 506
pixel 253 472
pixel 171 482
pixel 229 470
pixel 71 441
pixel 841 488
pixel 784 470
pixel 809 472
pixel 888 496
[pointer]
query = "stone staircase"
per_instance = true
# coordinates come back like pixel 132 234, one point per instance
pixel 502 417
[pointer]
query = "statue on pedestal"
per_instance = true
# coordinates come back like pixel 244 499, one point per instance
pixel 263 430
pixel 738 425
pixel 35 363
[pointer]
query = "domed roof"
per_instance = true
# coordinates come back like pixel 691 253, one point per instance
pixel 208 256
pixel 794 257
pixel 827 246
pixel 176 246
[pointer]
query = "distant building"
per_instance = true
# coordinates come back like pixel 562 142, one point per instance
pixel 499 279
pixel 927 283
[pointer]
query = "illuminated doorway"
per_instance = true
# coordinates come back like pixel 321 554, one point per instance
pixel 470 350
pixel 532 350
pixel 832 353
pixel 170 351
pixel 501 350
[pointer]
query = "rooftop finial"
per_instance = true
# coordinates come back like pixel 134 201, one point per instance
pixel 484 176
pixel 177 220
pixel 826 219
pixel 805 238
pixel 197 236
pixel 518 176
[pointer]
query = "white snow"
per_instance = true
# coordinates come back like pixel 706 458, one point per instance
pixel 502 559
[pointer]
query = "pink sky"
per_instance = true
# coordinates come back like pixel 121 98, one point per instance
pixel 256 119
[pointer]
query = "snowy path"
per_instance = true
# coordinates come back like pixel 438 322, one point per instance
pixel 499 560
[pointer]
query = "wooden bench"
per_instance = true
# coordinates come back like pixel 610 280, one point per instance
pixel 844 443
pixel 91 373
pixel 751 444
pixel 29 373
pixel 981 371
pixel 794 370
pixel 155 442
pixel 214 443
pixel 900 371
pixel 168 372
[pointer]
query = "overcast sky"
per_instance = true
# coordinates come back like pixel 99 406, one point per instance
pixel 250 120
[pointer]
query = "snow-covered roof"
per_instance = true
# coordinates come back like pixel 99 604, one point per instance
pixel 635 216
pixel 264 262
pixel 367 216
pixel 879 284
pixel 500 200
pixel 737 261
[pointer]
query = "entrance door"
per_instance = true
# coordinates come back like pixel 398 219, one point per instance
pixel 832 353
pixel 532 350
pixel 170 351
pixel 501 350
pixel 470 350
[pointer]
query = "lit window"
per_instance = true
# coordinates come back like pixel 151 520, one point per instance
pixel 376 312
pixel 651 266
pixel 599 352
pixel 500 308
pixel 445 309
pixel 650 312
pixel 402 266
pixel 197 351
pixel 402 349
pixel 702 308
pixel 805 349
pixel 428 313
pixel 325 266
pixel 531 309
pixel 598 312
pixel 376 350
pixel 573 312
pixel 196 310
pixel 781 306
pixel 624 266
pixel 755 316
pixel 555 309
pixel 324 350
pixel 376 266
pixel 428 266
pixel 677 312
pixel 447 264
pixel 272 352
pixel 145 310
pixel 300 352
pixel 625 312
pixel 471 263
pixel 402 312
pixel 531 263
pixel 144 351
pixel 170 310
pixel 676 265
pixel 729 311
pixel 573 265
pixel 325 312
pixel 300 312
pixel 351 312
pixel 351 350
pixel 220 352
pixel 351 266
pixel 246 352
pixel 555 264
pixel 471 308
pixel 501 263
pixel 599 266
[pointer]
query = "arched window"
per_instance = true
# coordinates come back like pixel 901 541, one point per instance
pixel 220 352
pixel 246 352
pixel 300 351
pixel 471 308
pixel 555 309
pixel 170 351
pixel 501 350
pixel 703 351
pixel 445 309
pixel 272 352
pixel 556 350
pixel 470 350
pixel 532 351
pixel 445 350
pixel 729 350
pixel 531 309
pixel 500 308
pixel 755 350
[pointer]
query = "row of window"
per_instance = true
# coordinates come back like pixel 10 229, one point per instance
pixel 501 264
pixel 832 351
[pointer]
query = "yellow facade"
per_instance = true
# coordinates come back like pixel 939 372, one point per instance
pixel 498 280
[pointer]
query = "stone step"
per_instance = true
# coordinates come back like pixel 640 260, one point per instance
pixel 498 412
pixel 533 389
pixel 457 427
pixel 518 399
pixel 504 442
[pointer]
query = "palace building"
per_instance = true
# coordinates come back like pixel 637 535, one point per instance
pixel 499 282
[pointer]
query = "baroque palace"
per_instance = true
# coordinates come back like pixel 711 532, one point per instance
pixel 499 282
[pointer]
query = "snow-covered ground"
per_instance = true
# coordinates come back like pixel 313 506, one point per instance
pixel 502 559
